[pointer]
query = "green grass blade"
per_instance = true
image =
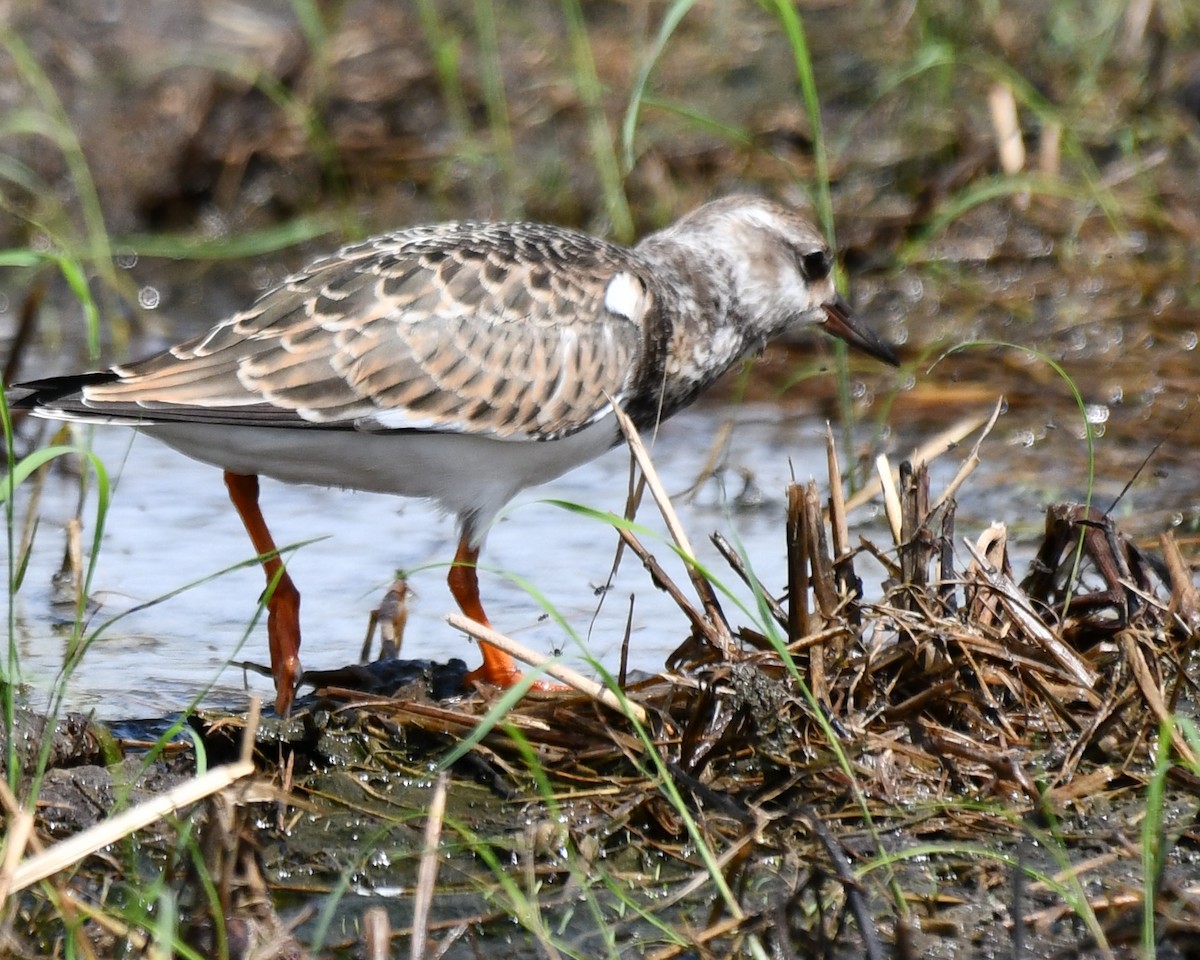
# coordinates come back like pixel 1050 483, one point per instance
pixel 673 17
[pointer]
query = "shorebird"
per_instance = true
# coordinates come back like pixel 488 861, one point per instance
pixel 461 363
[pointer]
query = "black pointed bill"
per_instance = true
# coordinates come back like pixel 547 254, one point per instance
pixel 841 322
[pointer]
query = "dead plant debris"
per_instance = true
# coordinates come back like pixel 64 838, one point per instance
pixel 953 704
pixel 959 703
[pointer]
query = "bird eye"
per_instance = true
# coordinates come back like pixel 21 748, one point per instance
pixel 814 265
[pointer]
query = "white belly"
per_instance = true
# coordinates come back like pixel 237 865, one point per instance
pixel 472 477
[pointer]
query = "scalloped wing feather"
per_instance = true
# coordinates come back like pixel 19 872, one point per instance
pixel 495 330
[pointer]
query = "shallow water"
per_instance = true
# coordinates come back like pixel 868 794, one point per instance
pixel 171 524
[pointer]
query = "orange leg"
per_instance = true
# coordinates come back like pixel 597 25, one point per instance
pixel 283 605
pixel 499 669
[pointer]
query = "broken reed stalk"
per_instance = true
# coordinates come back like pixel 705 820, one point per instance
pixel 799 619
pixel 891 498
pixel 916 547
pixel 811 565
pixel 377 934
pixel 704 589
pixel 560 671
pixel 71 851
pixel 823 586
pixel 848 583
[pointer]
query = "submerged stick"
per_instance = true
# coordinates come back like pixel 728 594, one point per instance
pixel 559 671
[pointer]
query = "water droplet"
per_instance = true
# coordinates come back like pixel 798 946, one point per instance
pixel 912 287
pixel 1188 340
pixel 148 298
pixel 127 260
pixel 1096 413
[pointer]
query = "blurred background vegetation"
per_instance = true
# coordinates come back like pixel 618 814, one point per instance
pixel 1024 171
pixel 215 121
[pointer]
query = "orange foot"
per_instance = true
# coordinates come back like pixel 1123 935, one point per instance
pixel 498 668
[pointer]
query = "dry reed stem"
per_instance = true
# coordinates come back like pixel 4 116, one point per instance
pixel 1185 598
pixel 65 854
pixel 738 565
pixel 586 686
pixel 1010 147
pixel 20 832
pixel 428 870
pixel 820 564
pixel 703 588
pixel 799 615
pixel 1017 606
pixel 662 580
pixel 927 452
pixel 377 934
pixel 891 498
pixel 821 585
pixel 1152 691
pixel 972 461
pixel 838 525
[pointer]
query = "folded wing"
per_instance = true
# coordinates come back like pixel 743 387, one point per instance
pixel 508 331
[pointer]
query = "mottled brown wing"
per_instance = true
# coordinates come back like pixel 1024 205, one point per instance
pixel 494 329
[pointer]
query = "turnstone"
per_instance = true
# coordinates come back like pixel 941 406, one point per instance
pixel 462 362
